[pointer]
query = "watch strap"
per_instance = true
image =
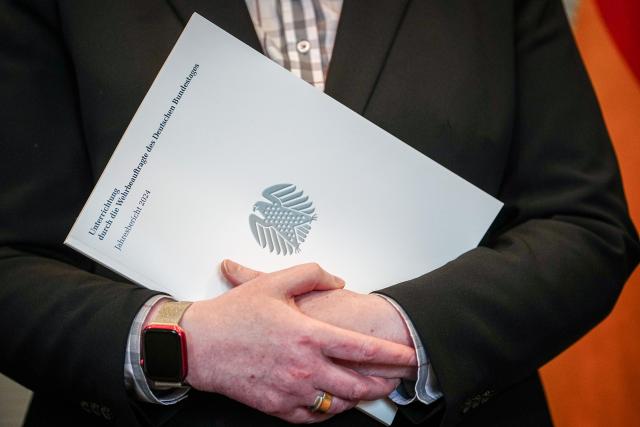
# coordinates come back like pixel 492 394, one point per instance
pixel 170 313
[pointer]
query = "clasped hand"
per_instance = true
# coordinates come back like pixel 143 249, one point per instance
pixel 256 343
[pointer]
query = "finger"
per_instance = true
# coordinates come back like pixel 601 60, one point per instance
pixel 237 274
pixel 304 278
pixel 356 347
pixel 304 415
pixel 379 370
pixel 350 386
pixel 337 406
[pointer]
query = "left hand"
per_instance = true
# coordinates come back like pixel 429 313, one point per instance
pixel 368 314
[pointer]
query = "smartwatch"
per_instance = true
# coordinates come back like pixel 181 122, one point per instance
pixel 164 347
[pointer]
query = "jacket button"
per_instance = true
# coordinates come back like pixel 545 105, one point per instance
pixel 106 413
pixel 95 408
pixel 466 407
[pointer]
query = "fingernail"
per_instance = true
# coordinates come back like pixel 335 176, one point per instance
pixel 230 266
pixel 339 281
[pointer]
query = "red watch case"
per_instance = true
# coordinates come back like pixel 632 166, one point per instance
pixel 164 354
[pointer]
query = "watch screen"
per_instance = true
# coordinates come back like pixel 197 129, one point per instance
pixel 162 355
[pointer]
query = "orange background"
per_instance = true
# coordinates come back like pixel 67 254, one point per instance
pixel 596 382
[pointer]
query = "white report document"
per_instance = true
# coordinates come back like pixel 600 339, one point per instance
pixel 231 156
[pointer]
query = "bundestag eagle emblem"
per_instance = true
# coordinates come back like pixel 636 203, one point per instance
pixel 285 222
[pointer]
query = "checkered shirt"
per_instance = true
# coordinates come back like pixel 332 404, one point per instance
pixel 298 34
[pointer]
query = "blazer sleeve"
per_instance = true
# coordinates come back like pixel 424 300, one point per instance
pixel 554 263
pixel 65 327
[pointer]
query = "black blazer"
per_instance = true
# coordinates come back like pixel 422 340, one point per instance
pixel 494 91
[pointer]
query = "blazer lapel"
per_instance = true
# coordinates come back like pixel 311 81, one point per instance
pixel 365 35
pixel 230 15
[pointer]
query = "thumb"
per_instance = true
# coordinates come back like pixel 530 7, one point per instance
pixel 305 278
pixel 237 274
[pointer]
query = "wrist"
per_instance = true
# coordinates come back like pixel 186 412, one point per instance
pixel 399 330
pixel 196 317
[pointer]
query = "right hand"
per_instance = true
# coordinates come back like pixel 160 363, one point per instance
pixel 253 345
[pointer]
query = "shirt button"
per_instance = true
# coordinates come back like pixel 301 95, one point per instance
pixel 303 46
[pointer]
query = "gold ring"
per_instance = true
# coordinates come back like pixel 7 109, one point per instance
pixel 322 403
